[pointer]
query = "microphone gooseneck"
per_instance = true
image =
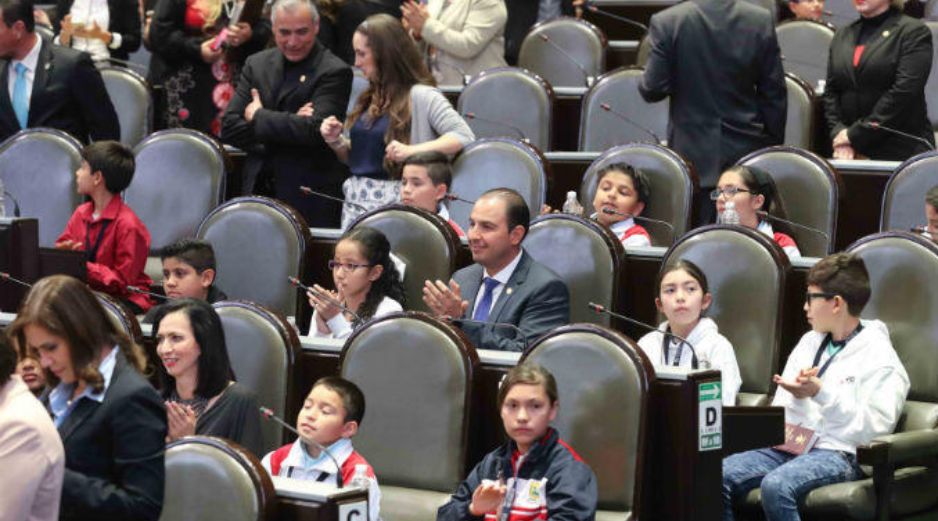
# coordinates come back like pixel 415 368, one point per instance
pixel 608 108
pixel 876 126
pixel 587 79
pixel 767 215
pixel 269 415
pixel 325 296
pixel 309 191
pixel 454 197
pixel 602 309
pixel 666 224
pixel 461 321
pixel 6 276
pixel 16 204
pixel 591 7
pixel 509 126
pixel 139 291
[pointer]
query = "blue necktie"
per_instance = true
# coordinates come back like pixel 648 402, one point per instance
pixel 20 102
pixel 485 305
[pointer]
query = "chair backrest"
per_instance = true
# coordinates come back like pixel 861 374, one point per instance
pixel 805 45
pixel 212 479
pixel 736 260
pixel 644 50
pixel 510 102
pixel 931 10
pixel 37 167
pixel 400 361
pixel 180 178
pixel 770 5
pixel 590 262
pixel 262 348
pixel 359 84
pixel 671 181
pixel 931 86
pixel 628 118
pixel 572 55
pixel 904 197
pixel 121 317
pixel 259 243
pixel 903 272
pixel 133 102
pixel 45 32
pixel 799 119
pixel 809 187
pixel 494 163
pixel 601 374
pixel 841 12
pixel 426 244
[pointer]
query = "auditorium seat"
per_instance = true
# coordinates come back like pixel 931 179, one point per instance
pixel 809 187
pixel 931 11
pixel 672 184
pixel 629 118
pixel 417 374
pixel 799 119
pixel 840 13
pixel 591 261
pixel 37 166
pixel 495 163
pixel 736 260
pixel 644 50
pixel 770 5
pixel 602 376
pixel 904 197
pixel 262 348
pixel 573 54
pixel 509 102
pixel 45 32
pixel 931 87
pixel 259 243
pixel 805 46
pixel 426 244
pixel 180 178
pixel 359 84
pixel 121 317
pixel 133 101
pixel 212 479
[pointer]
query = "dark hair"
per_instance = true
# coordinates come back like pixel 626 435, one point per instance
pixel 195 252
pixel 639 179
pixel 683 264
pixel 439 168
pixel 931 197
pixel 115 162
pixel 353 400
pixel 214 366
pixel 843 274
pixel 760 182
pixel 18 11
pixel 376 249
pixel 528 373
pixel 516 209
pixel 7 359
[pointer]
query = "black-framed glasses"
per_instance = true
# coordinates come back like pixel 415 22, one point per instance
pixel 729 192
pixel 335 265
pixel 808 297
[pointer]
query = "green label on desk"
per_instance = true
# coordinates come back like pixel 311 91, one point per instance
pixel 710 416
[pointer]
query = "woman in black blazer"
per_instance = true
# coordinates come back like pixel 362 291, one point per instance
pixel 122 35
pixel 111 420
pixel 876 78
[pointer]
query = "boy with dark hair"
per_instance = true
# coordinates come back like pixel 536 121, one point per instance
pixel 931 213
pixel 330 417
pixel 425 182
pixel 189 271
pixel 843 386
pixel 116 243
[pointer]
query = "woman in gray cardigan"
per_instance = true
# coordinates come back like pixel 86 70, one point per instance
pixel 399 114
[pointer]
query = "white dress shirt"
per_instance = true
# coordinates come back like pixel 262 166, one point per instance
pixel 31 60
pixel 86 12
pixel 502 277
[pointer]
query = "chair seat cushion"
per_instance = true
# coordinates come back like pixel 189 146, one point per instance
pixel 410 504
pixel 752 400
pixel 608 515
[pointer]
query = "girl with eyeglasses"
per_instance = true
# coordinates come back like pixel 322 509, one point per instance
pixel 368 285
pixel 753 191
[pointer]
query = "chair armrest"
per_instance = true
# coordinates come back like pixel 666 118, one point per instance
pixel 900 447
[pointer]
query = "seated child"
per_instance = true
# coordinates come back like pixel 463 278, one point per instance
pixel 188 272
pixel 931 213
pixel 843 381
pixel 425 181
pixel 683 296
pixel 366 280
pixel 535 475
pixel 330 417
pixel 115 241
pixel 623 189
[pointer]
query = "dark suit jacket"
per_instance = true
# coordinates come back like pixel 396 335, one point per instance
pixel 280 142
pixel 68 94
pixel 535 300
pixel 337 35
pixel 888 87
pixel 124 19
pixel 114 468
pixel 719 62
pixel 522 14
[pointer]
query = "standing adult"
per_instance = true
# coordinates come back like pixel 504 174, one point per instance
pixel 720 64
pixel 103 29
pixel 875 89
pixel 522 14
pixel 340 19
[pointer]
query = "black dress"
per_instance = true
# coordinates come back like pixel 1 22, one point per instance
pixel 235 416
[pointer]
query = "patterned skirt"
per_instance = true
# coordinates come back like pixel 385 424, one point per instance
pixel 367 194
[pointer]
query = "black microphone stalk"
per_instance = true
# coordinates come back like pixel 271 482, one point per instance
pixel 516 130
pixel 876 126
pixel 7 276
pixel 608 108
pixel 591 7
pixel 453 197
pixel 767 215
pixel 139 291
pixel 309 191
pixel 269 414
pixel 602 309
pixel 669 226
pixel 325 296
pixel 16 204
pixel 588 80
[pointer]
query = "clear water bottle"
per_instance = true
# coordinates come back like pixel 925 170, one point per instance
pixel 729 215
pixel 360 479
pixel 572 205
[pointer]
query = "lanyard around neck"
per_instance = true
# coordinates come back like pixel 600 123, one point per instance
pixel 830 339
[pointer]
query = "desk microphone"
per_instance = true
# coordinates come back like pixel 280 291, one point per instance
pixel 591 7
pixel 767 215
pixel 669 226
pixel 602 309
pixel 325 296
pixel 139 291
pixel 16 204
pixel 608 108
pixel 876 126
pixel 269 415
pixel 461 321
pixel 509 126
pixel 309 191
pixel 588 80
pixel 453 197
pixel 7 276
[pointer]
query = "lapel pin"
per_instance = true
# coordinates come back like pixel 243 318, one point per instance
pixel 47 66
pixel 508 291
pixel 303 78
pixel 885 34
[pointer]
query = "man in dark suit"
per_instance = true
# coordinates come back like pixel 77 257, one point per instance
pixel 522 14
pixel 44 85
pixel 282 97
pixel 505 285
pixel 719 62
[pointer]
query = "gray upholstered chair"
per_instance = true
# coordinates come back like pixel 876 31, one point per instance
pixel 566 52
pixel 672 185
pixel 359 84
pixel 180 178
pixel 37 166
pixel 840 13
pixel 602 374
pixel 904 198
pixel 736 260
pixel 510 102
pixel 262 347
pixel 931 87
pixel 132 100
pixel 590 262
pixel 644 50
pixel 931 10
pixel 418 452
pixel 770 5
pixel 493 163
pixel 809 187
pixel 45 32
pixel 626 116
pixel 805 45
pixel 799 120
pixel 211 479
pixel 259 243
pixel 121 316
pixel 426 244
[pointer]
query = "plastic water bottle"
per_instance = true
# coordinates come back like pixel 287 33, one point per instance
pixel 572 205
pixel 360 479
pixel 729 215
